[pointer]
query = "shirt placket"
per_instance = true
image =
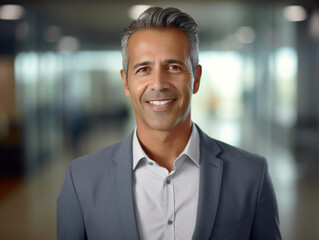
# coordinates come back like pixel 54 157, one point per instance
pixel 169 206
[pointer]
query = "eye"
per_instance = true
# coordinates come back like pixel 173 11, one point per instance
pixel 142 70
pixel 174 67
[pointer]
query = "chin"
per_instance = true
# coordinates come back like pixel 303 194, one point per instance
pixel 161 125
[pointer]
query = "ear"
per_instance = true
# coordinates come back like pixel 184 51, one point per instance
pixel 197 78
pixel 125 83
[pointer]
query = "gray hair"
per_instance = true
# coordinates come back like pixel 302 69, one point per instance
pixel 157 17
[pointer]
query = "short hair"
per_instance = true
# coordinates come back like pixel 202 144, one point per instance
pixel 157 17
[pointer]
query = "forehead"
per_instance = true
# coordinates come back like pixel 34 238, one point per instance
pixel 158 42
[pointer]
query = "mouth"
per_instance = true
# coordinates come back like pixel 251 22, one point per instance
pixel 160 102
pixel 161 105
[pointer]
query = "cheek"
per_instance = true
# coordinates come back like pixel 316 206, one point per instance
pixel 185 92
pixel 137 90
pixel 187 88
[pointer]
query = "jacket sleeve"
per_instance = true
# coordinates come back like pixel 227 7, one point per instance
pixel 70 224
pixel 266 219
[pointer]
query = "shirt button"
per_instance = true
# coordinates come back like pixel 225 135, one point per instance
pixel 169 222
pixel 150 163
pixel 168 181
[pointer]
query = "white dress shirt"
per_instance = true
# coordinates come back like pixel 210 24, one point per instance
pixel 166 202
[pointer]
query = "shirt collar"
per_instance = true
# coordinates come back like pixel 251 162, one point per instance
pixel 191 149
pixel 138 152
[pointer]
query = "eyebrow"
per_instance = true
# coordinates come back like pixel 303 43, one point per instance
pixel 141 64
pixel 169 61
pixel 175 61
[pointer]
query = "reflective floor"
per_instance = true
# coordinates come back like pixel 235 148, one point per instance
pixel 28 212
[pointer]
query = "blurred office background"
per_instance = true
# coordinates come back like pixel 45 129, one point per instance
pixel 61 97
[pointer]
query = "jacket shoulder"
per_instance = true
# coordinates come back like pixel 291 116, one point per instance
pixel 229 152
pixel 246 167
pixel 104 158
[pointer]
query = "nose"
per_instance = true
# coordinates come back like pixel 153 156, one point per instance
pixel 159 80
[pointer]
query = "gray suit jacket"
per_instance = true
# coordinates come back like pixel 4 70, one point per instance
pixel 236 196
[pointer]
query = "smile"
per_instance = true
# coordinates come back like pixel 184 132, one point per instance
pixel 160 103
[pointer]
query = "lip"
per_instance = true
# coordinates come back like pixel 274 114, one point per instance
pixel 162 107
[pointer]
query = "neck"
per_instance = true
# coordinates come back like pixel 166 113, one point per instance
pixel 165 146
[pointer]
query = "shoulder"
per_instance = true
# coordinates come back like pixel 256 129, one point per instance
pixel 103 159
pixel 233 158
pixel 236 154
pixel 98 156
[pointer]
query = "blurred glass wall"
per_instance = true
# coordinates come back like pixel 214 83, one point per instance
pixel 63 96
pixel 67 85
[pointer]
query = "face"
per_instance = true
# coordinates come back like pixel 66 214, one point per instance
pixel 160 81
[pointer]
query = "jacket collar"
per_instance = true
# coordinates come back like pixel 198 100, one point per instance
pixel 211 168
pixel 122 186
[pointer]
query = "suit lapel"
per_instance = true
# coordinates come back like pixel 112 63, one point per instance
pixel 122 187
pixel 210 183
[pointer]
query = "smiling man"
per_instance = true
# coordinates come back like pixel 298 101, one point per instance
pixel 168 179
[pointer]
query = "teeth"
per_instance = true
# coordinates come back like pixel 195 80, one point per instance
pixel 158 103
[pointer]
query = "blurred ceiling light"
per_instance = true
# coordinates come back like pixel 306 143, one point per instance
pixel 11 12
pixel 295 13
pixel 53 34
pixel 68 44
pixel 135 11
pixel 245 35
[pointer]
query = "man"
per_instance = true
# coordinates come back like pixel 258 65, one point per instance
pixel 168 180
